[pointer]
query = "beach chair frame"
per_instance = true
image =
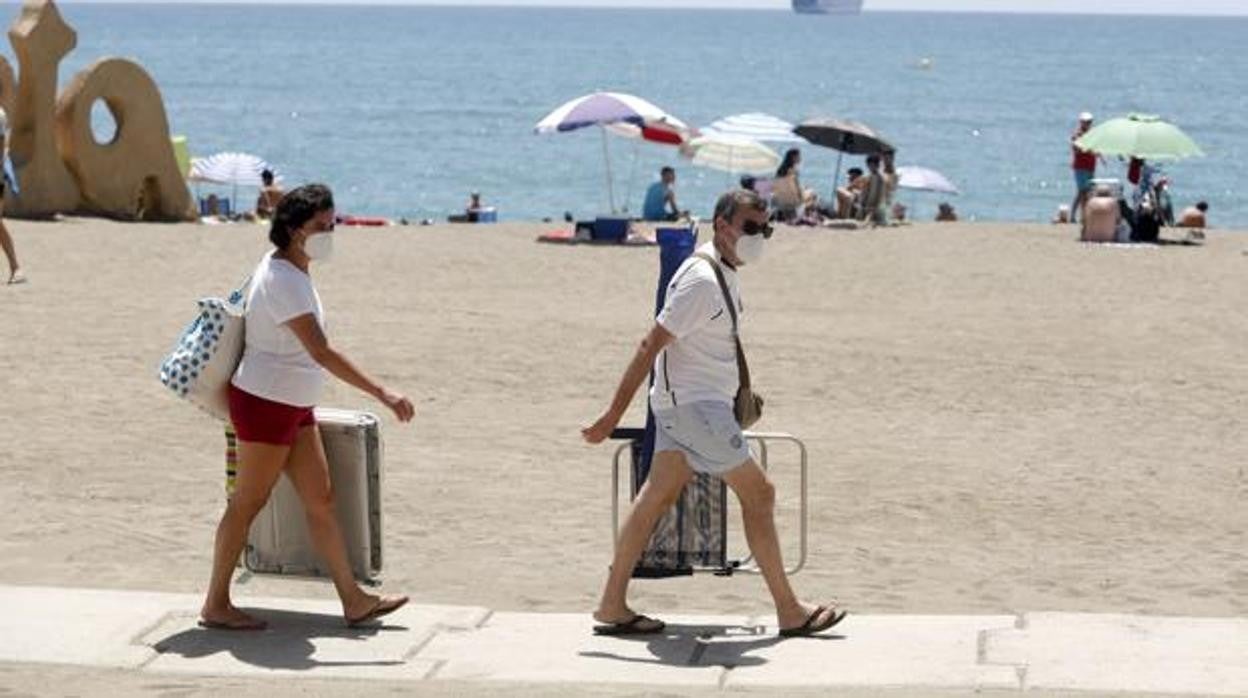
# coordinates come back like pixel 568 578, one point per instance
pixel 745 565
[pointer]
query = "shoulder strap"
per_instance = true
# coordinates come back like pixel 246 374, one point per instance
pixel 743 368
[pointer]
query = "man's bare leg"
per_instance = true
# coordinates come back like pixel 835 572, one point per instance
pixel 668 476
pixel 758 505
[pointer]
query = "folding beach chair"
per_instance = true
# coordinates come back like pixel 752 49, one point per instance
pixel 693 536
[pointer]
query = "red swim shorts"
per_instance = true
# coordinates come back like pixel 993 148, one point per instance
pixel 264 421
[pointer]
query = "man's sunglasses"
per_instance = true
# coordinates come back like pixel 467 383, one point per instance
pixel 756 228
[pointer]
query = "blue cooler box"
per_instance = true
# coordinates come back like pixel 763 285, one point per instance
pixel 610 229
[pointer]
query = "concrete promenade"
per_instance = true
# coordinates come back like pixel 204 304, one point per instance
pixel 156 634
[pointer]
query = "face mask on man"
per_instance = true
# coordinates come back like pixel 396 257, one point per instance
pixel 753 238
pixel 319 246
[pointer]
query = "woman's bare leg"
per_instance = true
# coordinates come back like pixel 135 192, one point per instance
pixel 260 465
pixel 308 471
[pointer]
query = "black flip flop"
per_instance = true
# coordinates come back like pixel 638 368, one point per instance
pixel 835 614
pixel 637 625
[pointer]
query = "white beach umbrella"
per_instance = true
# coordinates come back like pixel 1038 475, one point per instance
pixel 234 169
pixel 732 154
pixel 924 179
pixel 757 126
pixel 603 109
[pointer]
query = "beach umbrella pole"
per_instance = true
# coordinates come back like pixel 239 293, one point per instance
pixel 606 157
pixel 632 175
pixel 836 174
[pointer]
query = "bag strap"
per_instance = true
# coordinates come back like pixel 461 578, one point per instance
pixel 743 368
pixel 240 294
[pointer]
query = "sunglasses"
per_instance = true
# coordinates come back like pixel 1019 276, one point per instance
pixel 756 228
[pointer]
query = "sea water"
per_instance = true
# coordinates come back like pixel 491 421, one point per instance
pixel 404 110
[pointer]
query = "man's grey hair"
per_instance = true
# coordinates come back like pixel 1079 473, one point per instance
pixel 1103 190
pixel 733 201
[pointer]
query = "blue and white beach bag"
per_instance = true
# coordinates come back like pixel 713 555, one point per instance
pixel 202 362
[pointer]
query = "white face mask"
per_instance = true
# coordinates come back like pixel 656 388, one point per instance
pixel 319 246
pixel 750 248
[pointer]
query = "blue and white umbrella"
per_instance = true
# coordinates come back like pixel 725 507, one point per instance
pixel 603 109
pixel 756 126
pixel 234 169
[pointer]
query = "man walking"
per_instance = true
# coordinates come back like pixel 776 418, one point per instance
pixel 692 350
pixel 1083 164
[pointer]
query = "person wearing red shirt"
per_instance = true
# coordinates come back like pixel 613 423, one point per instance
pixel 1084 165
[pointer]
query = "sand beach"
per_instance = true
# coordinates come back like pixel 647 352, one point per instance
pixel 998 417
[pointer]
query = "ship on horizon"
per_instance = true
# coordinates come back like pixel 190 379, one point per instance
pixel 827 7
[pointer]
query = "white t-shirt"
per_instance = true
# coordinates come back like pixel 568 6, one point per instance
pixel 701 364
pixel 275 366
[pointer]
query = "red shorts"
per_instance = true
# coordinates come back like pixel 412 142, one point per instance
pixel 264 421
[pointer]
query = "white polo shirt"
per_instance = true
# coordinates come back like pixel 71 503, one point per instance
pixel 701 364
pixel 275 366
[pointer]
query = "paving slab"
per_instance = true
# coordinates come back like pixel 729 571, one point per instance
pixel 1113 652
pixel 561 647
pixel 869 651
pixel 86 627
pixel 306 638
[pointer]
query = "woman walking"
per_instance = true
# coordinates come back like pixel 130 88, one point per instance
pixel 272 393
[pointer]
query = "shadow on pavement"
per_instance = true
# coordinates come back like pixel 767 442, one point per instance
pixel 286 644
pixel 685 645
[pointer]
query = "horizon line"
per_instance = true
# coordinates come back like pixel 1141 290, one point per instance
pixel 625 5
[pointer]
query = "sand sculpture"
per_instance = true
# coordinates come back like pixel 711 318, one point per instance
pixel 59 165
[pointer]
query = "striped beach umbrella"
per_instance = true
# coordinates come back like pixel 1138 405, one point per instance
pixel 756 126
pixel 732 154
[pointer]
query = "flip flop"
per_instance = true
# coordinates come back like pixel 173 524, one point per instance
pixel 835 614
pixel 384 606
pixel 253 624
pixel 637 625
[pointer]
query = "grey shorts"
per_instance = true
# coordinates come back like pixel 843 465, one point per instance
pixel 706 432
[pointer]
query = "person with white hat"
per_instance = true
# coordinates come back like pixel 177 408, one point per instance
pixel 6 241
pixel 1084 165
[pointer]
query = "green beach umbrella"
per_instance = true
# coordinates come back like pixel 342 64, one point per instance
pixel 1141 136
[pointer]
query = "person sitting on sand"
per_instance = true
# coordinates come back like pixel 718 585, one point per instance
pixel 1101 215
pixel 899 212
pixel 850 194
pixel 270 194
pixel 472 210
pixel 271 396
pixel 6 241
pixel 881 179
pixel 1194 216
pixel 660 201
pixel 690 348
pixel 1062 216
pixel 945 213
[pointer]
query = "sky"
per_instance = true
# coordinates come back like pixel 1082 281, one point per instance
pixel 1178 7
